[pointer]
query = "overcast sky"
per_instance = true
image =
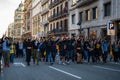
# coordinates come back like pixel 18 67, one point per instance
pixel 7 8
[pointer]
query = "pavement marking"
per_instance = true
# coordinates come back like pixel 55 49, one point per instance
pixel 65 72
pixel 114 63
pixel 23 64
pixel 20 64
pixel 107 68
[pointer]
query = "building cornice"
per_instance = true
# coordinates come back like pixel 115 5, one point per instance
pixel 36 5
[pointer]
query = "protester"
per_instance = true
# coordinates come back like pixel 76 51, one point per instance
pixel 12 52
pixel 0 49
pixel 6 55
pixel 79 51
pixel 0 54
pixel 35 46
pixel 116 51
pixel 28 51
pixel 20 48
pixel 105 50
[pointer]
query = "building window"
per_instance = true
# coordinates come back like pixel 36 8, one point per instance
pixel 54 26
pixel 107 9
pixel 19 16
pixel 61 23
pixel 66 4
pixel 81 16
pixel 50 27
pixel 57 10
pixel 57 26
pixel 73 19
pixel 95 13
pixel 50 1
pixel 54 12
pixel 87 15
pixel 65 25
pixel 61 8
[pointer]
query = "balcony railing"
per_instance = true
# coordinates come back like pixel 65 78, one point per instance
pixel 55 2
pixel 45 22
pixel 58 15
pixel 84 2
pixel 58 31
pixel 43 2
pixel 44 11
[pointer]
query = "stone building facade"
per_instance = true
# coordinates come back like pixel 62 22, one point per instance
pixel 93 16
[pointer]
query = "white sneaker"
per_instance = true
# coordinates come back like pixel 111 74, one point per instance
pixel 64 64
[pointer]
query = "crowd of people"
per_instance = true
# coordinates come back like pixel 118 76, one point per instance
pixel 66 49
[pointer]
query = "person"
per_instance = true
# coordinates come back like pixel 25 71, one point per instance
pixel 91 52
pixel 12 52
pixel 98 51
pixel 53 48
pixel 35 44
pixel 105 50
pixel 17 49
pixel 0 49
pixel 79 51
pixel 42 47
pixel 20 48
pixel 86 50
pixel 6 54
pixel 116 51
pixel 62 48
pixel 24 48
pixel 119 49
pixel 28 51
pixel 49 54
pixel 111 52
pixel 0 53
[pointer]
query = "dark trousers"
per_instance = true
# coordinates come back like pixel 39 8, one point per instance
pixel 116 56
pixel 28 56
pixel 105 56
pixel 20 52
pixel 91 55
pixel 0 54
pixel 12 57
pixel 70 55
pixel 35 52
pixel 6 56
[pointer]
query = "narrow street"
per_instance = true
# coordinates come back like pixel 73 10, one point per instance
pixel 82 37
pixel 20 71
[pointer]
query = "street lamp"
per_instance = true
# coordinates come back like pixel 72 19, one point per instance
pixel 79 23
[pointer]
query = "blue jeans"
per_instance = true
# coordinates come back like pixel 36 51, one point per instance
pixel 49 56
pixel 85 55
pixel 12 57
pixel 70 55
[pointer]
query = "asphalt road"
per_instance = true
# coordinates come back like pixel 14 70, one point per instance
pixel 20 71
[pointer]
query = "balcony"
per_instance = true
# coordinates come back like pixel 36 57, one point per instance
pixel 61 14
pixel 44 11
pixel 58 31
pixel 45 22
pixel 56 2
pixel 84 2
pixel 43 2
